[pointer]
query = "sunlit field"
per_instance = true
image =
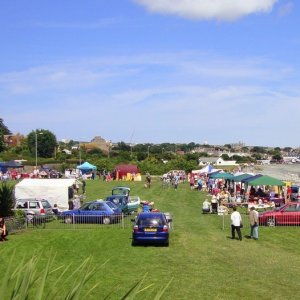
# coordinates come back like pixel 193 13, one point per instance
pixel 200 263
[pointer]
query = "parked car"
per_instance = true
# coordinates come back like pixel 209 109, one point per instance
pixel 127 204
pixel 121 190
pixel 98 212
pixel 288 214
pixel 151 228
pixel 120 197
pixel 35 208
pixel 295 196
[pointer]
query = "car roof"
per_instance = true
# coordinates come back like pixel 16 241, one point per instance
pixel 121 188
pixel 94 201
pixel 116 196
pixel 151 214
pixel 30 199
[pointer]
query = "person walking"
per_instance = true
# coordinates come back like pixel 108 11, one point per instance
pixel 236 223
pixel 148 180
pixel 253 217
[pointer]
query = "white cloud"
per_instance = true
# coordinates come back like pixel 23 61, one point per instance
pixel 78 25
pixel 225 10
pixel 286 9
pixel 157 92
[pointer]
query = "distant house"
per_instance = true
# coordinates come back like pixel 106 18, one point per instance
pixel 217 161
pixel 290 159
pixel 263 161
pixel 204 161
pixel 221 162
pixel 66 151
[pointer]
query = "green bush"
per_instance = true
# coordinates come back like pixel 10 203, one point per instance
pixel 6 199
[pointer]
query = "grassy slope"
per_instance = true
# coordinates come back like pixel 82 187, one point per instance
pixel 202 261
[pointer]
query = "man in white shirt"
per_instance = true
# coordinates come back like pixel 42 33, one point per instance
pixel 206 207
pixel 236 221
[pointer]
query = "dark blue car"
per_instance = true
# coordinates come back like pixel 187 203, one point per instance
pixel 97 212
pixel 151 228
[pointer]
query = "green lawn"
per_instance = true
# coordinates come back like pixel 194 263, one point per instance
pixel 201 261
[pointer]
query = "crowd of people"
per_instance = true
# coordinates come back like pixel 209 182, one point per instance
pixel 225 200
pixel 17 174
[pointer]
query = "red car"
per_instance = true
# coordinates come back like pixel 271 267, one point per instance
pixel 288 214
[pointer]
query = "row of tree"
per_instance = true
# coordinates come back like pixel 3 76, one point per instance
pixel 155 158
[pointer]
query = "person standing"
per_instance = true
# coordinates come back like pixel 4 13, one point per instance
pixel 83 186
pixel 148 180
pixel 253 217
pixel 3 231
pixel 206 207
pixel 236 222
pixel 176 181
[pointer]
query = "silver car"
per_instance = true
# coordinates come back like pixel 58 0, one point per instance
pixel 35 208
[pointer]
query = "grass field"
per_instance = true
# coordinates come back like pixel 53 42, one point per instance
pixel 201 262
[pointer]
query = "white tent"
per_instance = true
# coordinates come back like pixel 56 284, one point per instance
pixel 206 169
pixel 56 191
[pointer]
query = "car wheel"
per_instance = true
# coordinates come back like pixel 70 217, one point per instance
pixel 167 244
pixel 68 220
pixel 106 221
pixel 133 243
pixel 271 222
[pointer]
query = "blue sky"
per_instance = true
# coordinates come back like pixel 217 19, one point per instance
pixel 153 71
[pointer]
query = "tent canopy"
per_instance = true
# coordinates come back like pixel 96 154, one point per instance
pixel 123 169
pixel 207 169
pixel 56 191
pixel 11 164
pixel 266 180
pixel 86 166
pixel 241 177
pixel 221 175
pixel 251 177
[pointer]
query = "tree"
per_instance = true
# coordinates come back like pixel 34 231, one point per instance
pixel 277 156
pixel 3 128
pixel 3 131
pixel 122 146
pixel 245 149
pixel 258 149
pixel 225 156
pixel 227 146
pixel 44 140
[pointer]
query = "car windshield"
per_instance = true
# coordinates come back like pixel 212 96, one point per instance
pixel 46 204
pixel 151 222
pixel 121 191
pixel 111 205
pixel 93 206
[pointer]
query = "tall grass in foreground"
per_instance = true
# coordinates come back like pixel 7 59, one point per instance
pixel 26 281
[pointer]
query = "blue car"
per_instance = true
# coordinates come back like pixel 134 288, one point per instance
pixel 97 212
pixel 151 228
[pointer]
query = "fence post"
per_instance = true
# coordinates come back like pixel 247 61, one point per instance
pixel 73 221
pixel 223 218
pixel 123 226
